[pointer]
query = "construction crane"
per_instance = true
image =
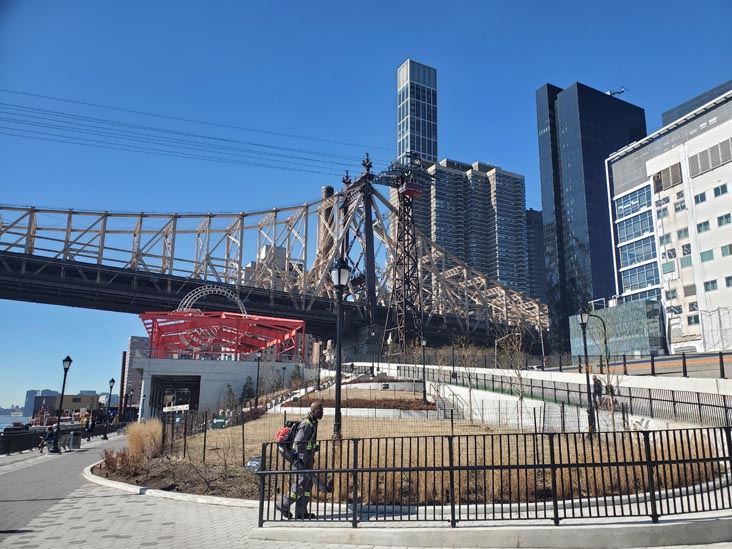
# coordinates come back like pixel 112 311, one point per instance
pixel 622 89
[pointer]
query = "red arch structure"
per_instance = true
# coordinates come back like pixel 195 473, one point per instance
pixel 198 334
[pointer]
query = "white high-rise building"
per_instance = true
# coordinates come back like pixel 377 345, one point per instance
pixel 671 213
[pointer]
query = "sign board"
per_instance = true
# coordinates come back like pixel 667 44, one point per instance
pixel 179 408
pixel 218 422
pixel 254 464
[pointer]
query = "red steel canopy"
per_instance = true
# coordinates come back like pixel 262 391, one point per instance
pixel 199 333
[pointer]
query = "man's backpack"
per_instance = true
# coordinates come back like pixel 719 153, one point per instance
pixel 285 439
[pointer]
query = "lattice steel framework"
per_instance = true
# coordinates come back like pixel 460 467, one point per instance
pixel 284 251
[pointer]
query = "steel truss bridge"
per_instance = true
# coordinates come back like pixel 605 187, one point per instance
pixel 278 261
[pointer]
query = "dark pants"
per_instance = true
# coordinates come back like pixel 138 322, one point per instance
pixel 301 489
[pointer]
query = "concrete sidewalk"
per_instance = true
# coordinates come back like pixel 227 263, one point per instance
pixel 44 501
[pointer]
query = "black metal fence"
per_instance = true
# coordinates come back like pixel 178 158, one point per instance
pixel 21 441
pixel 509 477
pixel 685 406
pixel 714 364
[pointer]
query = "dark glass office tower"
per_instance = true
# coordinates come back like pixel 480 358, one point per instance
pixel 535 253
pixel 578 128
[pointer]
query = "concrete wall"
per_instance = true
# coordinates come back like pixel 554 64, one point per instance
pixel 215 375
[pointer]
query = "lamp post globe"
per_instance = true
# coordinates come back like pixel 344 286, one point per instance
pixel 339 274
pixel 66 362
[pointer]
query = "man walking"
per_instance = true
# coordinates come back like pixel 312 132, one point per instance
pixel 304 446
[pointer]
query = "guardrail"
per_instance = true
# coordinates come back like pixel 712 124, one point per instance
pixel 684 406
pixel 546 476
pixel 21 441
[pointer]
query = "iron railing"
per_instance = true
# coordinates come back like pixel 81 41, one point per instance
pixel 684 406
pixel 469 478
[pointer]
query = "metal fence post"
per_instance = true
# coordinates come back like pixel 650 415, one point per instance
pixel 185 433
pixel 699 404
pixel 262 469
pixel 164 433
pixel 553 470
pixel 453 522
pixel 673 401
pixel 650 402
pixel 560 362
pixel 172 431
pixel 354 522
pixel 625 365
pixel 243 453
pixel 683 365
pixel 651 474
pixel 653 364
pixel 205 430
pixel 721 365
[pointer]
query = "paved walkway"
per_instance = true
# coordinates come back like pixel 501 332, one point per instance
pixel 44 501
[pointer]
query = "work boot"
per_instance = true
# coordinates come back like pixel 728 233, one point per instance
pixel 284 510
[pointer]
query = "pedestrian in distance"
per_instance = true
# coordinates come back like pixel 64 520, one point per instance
pixel 304 447
pixel 89 428
pixel 597 390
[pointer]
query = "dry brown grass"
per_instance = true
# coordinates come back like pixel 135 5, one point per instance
pixel 144 443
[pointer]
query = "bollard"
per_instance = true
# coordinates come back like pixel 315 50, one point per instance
pixel 625 365
pixel 683 365
pixel 653 364
pixel 560 362
pixel 205 430
pixel 721 365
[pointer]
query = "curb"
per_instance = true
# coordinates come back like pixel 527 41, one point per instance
pixel 619 535
pixel 143 491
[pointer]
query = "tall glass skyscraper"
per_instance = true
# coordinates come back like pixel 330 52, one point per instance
pixel 578 128
pixel 417 111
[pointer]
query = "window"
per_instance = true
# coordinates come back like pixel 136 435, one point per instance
pixel 723 220
pixel 727 250
pixel 661 213
pixel 633 202
pixel 699 198
pixel 707 255
pixel 710 285
pixel 671 253
pixel 679 206
pixel 702 227
pixel 664 239
pixel 669 267
pixel 76 399
pixel 719 191
pixel 685 262
pixel 686 249
pixel 690 289
pixel 670 294
pixel 681 234
pixel 693 306
pixel 640 277
pixel 674 309
pixel 637 252
pixel 680 194
pixel 635 226
pixel 693 320
pixel 728 281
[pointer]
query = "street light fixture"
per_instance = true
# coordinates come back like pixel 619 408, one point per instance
pixel 584 317
pixel 109 403
pixel 339 275
pixel 66 364
pixel 604 336
pixel 424 373
pixel 256 390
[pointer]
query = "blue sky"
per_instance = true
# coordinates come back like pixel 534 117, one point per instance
pixel 322 70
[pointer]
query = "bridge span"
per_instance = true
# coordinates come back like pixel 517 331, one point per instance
pixel 277 260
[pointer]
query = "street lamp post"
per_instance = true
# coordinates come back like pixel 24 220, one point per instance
pixel 130 399
pixel 339 276
pixel 66 364
pixel 142 408
pixel 256 390
pixel 604 336
pixel 283 376
pixel 584 317
pixel 109 403
pixel 424 373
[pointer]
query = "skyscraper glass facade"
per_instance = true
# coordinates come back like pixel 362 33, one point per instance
pixel 417 111
pixel 535 253
pixel 578 128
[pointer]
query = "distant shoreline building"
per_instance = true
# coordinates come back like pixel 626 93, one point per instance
pixel 578 127
pixel 672 224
